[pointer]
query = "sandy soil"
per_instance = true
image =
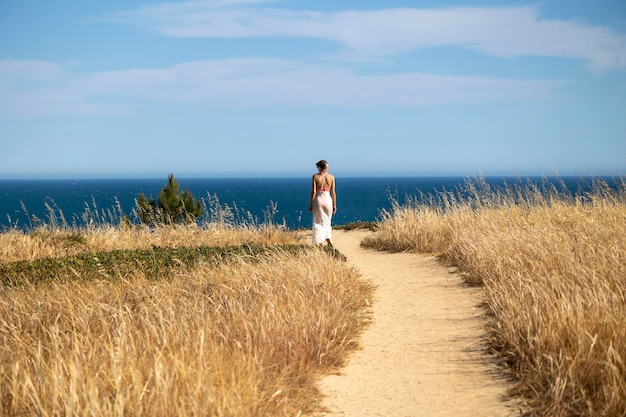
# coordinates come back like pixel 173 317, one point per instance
pixel 422 354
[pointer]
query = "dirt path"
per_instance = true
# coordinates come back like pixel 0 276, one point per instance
pixel 422 354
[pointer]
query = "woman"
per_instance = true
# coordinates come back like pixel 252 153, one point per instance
pixel 323 203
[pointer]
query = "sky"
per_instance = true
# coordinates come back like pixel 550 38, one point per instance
pixel 247 88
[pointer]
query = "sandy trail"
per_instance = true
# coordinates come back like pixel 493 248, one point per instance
pixel 422 354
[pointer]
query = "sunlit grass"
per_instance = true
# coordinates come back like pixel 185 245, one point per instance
pixel 45 242
pixel 553 266
pixel 217 319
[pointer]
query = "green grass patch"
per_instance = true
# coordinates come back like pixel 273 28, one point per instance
pixel 155 263
pixel 359 224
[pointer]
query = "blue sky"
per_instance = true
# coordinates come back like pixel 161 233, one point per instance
pixel 237 88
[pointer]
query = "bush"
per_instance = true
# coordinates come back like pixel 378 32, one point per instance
pixel 171 207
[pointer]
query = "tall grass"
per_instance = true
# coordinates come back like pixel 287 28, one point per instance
pixel 214 212
pixel 553 265
pixel 46 242
pixel 246 335
pixel 243 339
pixel 103 230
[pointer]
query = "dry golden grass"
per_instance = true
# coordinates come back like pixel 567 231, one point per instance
pixel 554 271
pixel 247 338
pixel 50 242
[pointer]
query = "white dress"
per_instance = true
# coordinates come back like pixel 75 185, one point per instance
pixel 322 214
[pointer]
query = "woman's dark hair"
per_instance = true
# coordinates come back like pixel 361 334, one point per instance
pixel 322 164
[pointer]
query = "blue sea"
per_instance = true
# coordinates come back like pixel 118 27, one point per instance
pixel 281 200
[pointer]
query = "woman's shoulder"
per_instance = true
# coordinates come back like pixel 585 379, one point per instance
pixel 325 174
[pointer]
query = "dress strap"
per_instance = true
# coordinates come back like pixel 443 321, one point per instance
pixel 324 183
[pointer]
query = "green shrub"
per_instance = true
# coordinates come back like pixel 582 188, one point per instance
pixel 171 206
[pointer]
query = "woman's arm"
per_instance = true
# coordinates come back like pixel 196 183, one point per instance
pixel 333 194
pixel 313 191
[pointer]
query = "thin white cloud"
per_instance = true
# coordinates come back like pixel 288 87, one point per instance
pixel 30 69
pixel 246 83
pixel 500 31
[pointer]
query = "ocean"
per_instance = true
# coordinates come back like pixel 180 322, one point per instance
pixel 25 204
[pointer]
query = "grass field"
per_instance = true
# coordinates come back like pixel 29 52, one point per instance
pixel 177 321
pixel 553 266
pixel 228 320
